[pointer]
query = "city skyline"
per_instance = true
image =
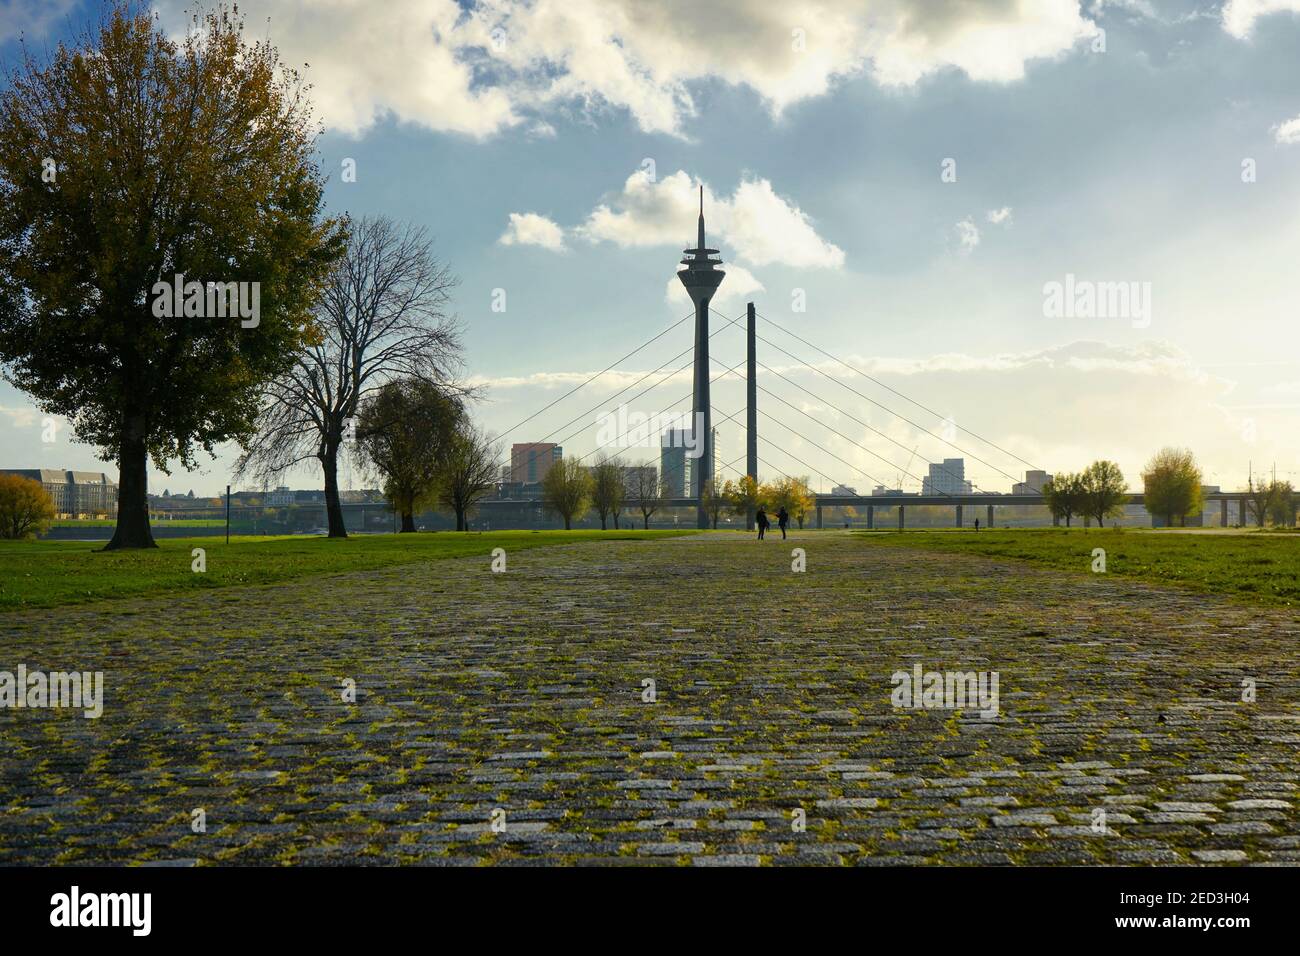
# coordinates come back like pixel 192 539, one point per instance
pixel 936 288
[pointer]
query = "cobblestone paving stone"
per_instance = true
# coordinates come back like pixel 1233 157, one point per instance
pixel 523 692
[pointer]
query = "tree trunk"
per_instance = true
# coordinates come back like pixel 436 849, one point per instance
pixel 408 522
pixel 460 519
pixel 333 508
pixel 647 522
pixel 566 523
pixel 602 523
pixel 132 529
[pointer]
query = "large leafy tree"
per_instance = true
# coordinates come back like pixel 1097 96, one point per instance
pixel 1171 485
pixel 1064 495
pixel 404 432
pixel 1104 491
pixel 126 159
pixel 382 317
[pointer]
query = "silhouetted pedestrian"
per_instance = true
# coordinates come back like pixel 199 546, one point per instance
pixel 760 519
pixel 977 524
pixel 782 519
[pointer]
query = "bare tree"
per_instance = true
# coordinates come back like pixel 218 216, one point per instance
pixel 607 489
pixel 469 472
pixel 645 491
pixel 567 490
pixel 713 499
pixel 382 316
pixel 1260 499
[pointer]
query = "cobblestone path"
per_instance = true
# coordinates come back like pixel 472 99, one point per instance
pixel 523 692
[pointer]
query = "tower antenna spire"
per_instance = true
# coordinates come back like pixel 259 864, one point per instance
pixel 700 243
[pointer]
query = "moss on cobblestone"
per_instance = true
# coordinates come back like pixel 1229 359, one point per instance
pixel 524 691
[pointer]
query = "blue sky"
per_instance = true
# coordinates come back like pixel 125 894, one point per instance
pixel 819 131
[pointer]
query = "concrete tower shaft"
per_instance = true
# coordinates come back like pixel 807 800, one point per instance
pixel 701 277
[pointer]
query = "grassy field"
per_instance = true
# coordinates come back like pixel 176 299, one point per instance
pixel 1259 567
pixel 52 573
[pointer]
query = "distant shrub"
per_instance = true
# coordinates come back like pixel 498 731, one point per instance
pixel 26 508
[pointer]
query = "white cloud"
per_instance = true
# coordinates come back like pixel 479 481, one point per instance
pixel 760 226
pixel 999 216
pixel 487 68
pixel 1239 16
pixel 968 235
pixel 1288 132
pixel 530 229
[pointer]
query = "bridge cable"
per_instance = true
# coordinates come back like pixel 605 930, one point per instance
pixel 896 392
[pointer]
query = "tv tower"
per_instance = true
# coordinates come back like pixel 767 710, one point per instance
pixel 701 278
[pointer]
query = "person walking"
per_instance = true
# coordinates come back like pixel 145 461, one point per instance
pixel 760 519
pixel 977 525
pixel 782 520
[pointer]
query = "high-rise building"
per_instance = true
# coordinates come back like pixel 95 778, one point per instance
pixel 844 491
pixel 948 478
pixel 1033 483
pixel 530 461
pixel 674 465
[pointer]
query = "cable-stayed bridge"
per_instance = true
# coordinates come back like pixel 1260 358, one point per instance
pixel 701 277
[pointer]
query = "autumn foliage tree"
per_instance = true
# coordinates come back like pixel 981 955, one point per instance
pixel 130 158
pixel 26 508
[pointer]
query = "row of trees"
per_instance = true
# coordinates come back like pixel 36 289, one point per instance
pixel 1271 500
pixel 611 487
pixel 571 489
pixel 1099 491
pixel 1172 487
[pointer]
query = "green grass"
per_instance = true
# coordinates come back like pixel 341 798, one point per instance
pixel 51 573
pixel 1259 567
